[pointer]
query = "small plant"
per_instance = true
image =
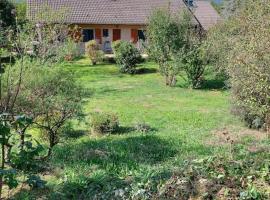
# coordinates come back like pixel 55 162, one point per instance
pixel 142 127
pixel 126 56
pixel 104 123
pixel 93 52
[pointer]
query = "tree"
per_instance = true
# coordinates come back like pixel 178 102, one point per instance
pixel 56 99
pixel 167 35
pixel 190 60
pixel 21 8
pixel 7 15
pixel 33 91
pixel 240 46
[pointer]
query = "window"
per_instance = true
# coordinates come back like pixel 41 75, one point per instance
pixel 105 33
pixel 141 35
pixel 189 3
pixel 88 34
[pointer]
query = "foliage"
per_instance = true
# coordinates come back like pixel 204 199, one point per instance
pixel 7 15
pixel 230 7
pixel 219 178
pixel 137 165
pixel 21 8
pixel 93 52
pixel 104 123
pixel 190 60
pixel 52 41
pixel 127 56
pixel 19 159
pixel 167 35
pixel 35 182
pixel 32 96
pixel 51 106
pixel 142 127
pixel 240 46
pixel 69 50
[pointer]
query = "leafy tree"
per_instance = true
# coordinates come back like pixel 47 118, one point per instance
pixel 7 15
pixel 54 106
pixel 190 60
pixel 240 46
pixel 21 8
pixel 32 93
pixel 167 35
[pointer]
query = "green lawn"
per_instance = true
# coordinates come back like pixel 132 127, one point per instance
pixel 182 122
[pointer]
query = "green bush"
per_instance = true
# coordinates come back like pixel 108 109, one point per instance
pixel 240 45
pixel 167 35
pixel 190 61
pixel 104 123
pixel 93 52
pixel 126 56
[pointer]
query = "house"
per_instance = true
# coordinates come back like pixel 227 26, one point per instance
pixel 110 20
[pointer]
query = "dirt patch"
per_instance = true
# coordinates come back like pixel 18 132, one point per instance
pixel 234 135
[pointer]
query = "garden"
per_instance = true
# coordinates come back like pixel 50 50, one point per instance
pixel 190 121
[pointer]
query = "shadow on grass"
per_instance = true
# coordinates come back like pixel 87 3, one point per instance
pixel 74 134
pixel 110 153
pixel 98 168
pixel 123 130
pixel 146 71
pixel 214 85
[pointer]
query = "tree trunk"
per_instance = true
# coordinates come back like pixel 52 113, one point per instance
pixel 52 143
pixel 170 80
pixel 2 166
pixel 22 141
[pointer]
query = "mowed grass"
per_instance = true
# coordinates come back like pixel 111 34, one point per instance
pixel 181 121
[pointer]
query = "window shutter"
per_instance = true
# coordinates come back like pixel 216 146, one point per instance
pixel 134 35
pixel 98 35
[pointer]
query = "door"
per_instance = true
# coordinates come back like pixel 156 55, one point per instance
pixel 88 34
pixel 116 34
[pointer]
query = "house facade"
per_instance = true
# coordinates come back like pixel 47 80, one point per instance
pixel 109 20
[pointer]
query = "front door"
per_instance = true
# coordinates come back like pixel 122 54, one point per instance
pixel 116 34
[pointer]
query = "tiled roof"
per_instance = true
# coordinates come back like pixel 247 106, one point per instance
pixel 119 11
pixel 206 14
pixel 105 11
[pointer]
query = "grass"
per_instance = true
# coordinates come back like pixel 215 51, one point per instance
pixel 181 121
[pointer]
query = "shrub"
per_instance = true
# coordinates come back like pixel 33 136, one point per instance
pixel 142 127
pixel 104 123
pixel 240 45
pixel 126 56
pixel 93 52
pixel 69 50
pixel 167 34
pixel 190 61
